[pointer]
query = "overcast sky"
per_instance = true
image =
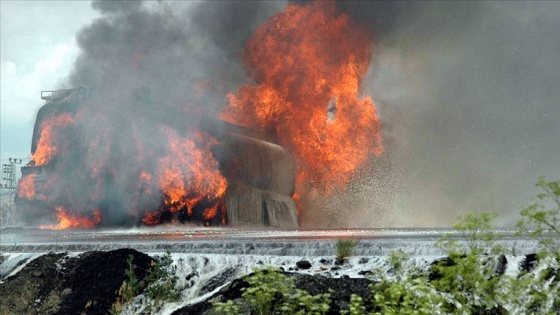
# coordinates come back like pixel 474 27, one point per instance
pixel 471 90
pixel 37 50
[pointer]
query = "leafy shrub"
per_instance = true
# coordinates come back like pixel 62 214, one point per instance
pixel 161 285
pixel 227 308
pixel 470 282
pixel 356 306
pixel 541 220
pixel 533 293
pixel 538 293
pixel 466 281
pixel 271 292
pixel 163 280
pixel 467 276
pixel 475 229
pixel 405 291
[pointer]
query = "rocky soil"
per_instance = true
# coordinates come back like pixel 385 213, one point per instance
pixel 56 284
pixel 88 284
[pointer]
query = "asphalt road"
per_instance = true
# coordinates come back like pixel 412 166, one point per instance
pixel 238 241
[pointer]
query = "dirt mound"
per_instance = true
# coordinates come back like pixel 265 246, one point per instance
pixel 58 284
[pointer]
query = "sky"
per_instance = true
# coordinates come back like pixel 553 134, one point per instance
pixel 468 93
pixel 38 48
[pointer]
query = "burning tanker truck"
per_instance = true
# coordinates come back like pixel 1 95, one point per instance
pixel 135 151
pixel 255 177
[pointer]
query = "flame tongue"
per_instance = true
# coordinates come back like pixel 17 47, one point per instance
pixel 26 187
pixel 189 175
pixel 68 220
pixel 49 143
pixel 304 60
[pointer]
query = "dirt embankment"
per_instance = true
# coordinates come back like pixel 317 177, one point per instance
pixel 57 284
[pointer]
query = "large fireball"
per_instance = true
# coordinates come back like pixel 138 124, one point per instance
pixel 308 62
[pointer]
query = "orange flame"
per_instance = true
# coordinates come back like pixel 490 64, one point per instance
pixel 69 220
pixel 49 143
pixel 308 62
pixel 151 218
pixel 26 187
pixel 188 175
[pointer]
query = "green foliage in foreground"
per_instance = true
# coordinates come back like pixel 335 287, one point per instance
pixel 406 292
pixel 129 288
pixel 541 220
pixel 466 282
pixel 468 276
pixel 272 292
pixel 162 280
pixel 161 285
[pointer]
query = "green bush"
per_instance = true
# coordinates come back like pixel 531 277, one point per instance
pixel 466 281
pixel 356 306
pixel 476 230
pixel 271 292
pixel 162 280
pixel 404 290
pixel 227 308
pixel 161 285
pixel 541 220
pixel 533 293
pixel 469 281
pixel 467 276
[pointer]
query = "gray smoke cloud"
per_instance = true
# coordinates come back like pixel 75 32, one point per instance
pixel 470 91
pixel 116 6
pixel 169 50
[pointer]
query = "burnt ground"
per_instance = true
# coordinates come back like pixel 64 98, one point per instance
pixel 57 284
